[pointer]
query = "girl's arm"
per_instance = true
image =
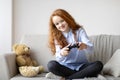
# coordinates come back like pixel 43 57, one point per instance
pixel 59 56
pixel 61 53
pixel 85 43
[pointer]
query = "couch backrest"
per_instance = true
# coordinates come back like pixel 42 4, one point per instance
pixel 104 47
pixel 39 48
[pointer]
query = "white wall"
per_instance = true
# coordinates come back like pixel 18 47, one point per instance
pixel 97 16
pixel 5 26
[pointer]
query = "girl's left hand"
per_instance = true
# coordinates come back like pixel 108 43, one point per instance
pixel 82 46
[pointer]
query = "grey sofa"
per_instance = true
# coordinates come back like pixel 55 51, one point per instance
pixel 104 47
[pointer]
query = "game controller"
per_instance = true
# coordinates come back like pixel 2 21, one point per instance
pixel 76 45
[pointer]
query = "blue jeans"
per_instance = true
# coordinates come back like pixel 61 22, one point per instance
pixel 87 70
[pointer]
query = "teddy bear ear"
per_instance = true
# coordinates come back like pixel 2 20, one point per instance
pixel 15 46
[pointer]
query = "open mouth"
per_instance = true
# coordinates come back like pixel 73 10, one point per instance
pixel 62 27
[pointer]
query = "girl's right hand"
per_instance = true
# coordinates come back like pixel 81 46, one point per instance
pixel 65 50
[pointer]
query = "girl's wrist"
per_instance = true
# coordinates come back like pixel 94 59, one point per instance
pixel 61 54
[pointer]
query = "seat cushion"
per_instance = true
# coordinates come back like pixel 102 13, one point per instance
pixel 38 77
pixel 42 77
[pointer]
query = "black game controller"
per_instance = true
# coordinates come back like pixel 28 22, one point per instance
pixel 76 45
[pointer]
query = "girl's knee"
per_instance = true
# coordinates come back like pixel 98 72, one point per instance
pixel 99 64
pixel 51 65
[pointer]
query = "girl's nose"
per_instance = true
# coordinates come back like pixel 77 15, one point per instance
pixel 60 24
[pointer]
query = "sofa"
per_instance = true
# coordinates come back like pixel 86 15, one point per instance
pixel 104 47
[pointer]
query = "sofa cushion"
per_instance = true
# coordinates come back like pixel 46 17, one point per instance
pixel 104 47
pixel 112 67
pixel 39 48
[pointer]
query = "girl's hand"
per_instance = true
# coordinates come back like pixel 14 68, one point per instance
pixel 82 46
pixel 65 50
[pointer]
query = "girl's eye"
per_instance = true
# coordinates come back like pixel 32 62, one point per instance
pixel 59 22
pixel 56 23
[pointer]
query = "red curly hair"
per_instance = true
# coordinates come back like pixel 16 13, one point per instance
pixel 55 34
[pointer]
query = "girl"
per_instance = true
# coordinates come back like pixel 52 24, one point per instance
pixel 70 63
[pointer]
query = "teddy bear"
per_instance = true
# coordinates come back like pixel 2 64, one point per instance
pixel 26 65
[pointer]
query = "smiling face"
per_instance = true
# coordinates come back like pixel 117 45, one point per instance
pixel 60 24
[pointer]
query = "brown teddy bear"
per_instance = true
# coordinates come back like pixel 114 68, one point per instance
pixel 24 61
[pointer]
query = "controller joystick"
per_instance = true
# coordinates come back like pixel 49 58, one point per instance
pixel 76 45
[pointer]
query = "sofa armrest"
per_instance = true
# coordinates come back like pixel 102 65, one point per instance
pixel 8 66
